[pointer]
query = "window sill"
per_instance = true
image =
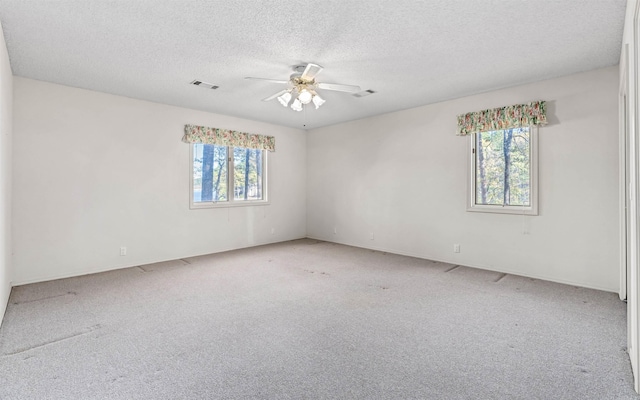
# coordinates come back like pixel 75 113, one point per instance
pixel 227 204
pixel 515 210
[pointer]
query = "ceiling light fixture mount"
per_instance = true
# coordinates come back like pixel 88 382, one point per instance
pixel 302 92
pixel 302 88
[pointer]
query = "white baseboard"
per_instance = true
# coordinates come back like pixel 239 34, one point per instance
pixel 74 274
pixel 4 302
pixel 346 243
pixel 502 270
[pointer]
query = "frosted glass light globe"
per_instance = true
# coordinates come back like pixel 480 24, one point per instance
pixel 305 96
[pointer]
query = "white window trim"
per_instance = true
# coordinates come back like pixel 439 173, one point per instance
pixel 231 202
pixel 533 184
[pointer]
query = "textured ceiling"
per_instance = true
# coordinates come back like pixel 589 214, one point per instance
pixel 410 52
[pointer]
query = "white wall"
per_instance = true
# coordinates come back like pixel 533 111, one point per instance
pixel 6 100
pixel 403 176
pixel 93 172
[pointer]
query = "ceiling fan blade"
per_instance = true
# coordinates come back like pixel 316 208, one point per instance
pixel 273 96
pixel 338 87
pixel 267 79
pixel 311 71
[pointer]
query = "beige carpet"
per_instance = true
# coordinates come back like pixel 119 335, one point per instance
pixel 311 320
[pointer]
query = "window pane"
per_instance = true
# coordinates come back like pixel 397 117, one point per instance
pixel 247 174
pixel 502 173
pixel 519 173
pixel 209 173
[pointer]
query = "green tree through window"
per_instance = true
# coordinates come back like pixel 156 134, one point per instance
pixel 502 168
pixel 247 174
pixel 211 181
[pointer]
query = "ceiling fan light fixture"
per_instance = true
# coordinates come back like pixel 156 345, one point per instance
pixel 296 105
pixel 302 85
pixel 305 96
pixel 285 98
pixel 318 101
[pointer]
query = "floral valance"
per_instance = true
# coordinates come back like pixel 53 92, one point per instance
pixel 516 116
pixel 226 137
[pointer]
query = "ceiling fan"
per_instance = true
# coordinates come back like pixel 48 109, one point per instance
pixel 302 86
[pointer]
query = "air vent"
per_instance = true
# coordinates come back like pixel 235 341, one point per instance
pixel 365 93
pixel 204 84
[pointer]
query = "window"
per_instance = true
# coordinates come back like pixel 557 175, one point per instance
pixel 227 176
pixel 503 175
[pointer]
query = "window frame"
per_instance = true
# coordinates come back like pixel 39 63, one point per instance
pixel 532 209
pixel 231 202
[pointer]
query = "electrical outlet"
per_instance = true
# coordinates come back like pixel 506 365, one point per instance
pixel 273 230
pixel 123 251
pixel 371 235
pixel 335 230
pixel 456 248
